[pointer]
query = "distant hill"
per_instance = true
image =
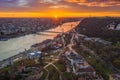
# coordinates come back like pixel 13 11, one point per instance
pixel 98 27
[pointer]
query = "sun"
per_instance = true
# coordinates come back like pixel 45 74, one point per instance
pixel 55 16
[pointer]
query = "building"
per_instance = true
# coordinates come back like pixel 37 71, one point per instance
pixel 33 55
pixel 80 67
pixel 97 41
pixel 114 77
pixel 113 26
pixel 84 68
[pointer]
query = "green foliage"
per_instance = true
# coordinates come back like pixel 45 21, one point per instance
pixel 68 76
pixel 53 73
pixel 44 75
pixel 116 63
pixel 117 45
pixel 101 70
pixel 61 66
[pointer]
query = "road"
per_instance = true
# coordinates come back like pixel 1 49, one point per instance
pixel 75 35
pixel 52 63
pixel 108 65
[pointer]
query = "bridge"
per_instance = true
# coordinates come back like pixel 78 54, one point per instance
pixel 46 33
pixel 52 32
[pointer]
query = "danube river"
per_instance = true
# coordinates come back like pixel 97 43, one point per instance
pixel 15 45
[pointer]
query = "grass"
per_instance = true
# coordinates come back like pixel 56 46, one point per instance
pixel 19 63
pixel 68 76
pixel 47 60
pixel 61 66
pixel 116 63
pixel 25 62
pixel 8 68
pixel 100 69
pixel 53 74
pixel 44 75
pixel 65 75
pixel 50 68
pixel 56 54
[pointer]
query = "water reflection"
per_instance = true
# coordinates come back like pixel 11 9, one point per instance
pixel 15 45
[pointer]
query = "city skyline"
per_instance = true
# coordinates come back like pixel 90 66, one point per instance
pixel 60 8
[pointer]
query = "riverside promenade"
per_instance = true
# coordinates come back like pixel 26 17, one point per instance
pixel 27 46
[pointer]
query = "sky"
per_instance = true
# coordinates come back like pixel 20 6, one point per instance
pixel 60 8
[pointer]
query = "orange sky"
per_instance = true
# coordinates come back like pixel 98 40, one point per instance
pixel 58 14
pixel 60 8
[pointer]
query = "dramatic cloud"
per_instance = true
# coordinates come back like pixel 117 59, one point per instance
pixel 49 1
pixel 98 3
pixel 60 6
pixel 10 4
pixel 73 6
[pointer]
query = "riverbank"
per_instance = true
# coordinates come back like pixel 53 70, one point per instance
pixel 20 34
pixel 16 45
pixel 21 55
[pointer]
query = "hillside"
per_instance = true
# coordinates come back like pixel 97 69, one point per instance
pixel 98 27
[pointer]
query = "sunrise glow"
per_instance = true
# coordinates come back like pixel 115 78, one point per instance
pixel 56 16
pixel 65 14
pixel 63 8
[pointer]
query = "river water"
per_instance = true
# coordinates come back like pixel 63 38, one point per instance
pixel 15 45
